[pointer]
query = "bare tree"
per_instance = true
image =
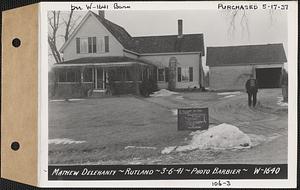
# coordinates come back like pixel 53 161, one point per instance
pixel 59 26
pixel 239 16
pixel 53 21
pixel 69 25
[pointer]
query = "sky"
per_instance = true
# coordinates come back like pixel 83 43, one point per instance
pixel 263 26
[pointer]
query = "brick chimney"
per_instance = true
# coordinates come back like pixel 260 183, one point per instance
pixel 101 14
pixel 180 33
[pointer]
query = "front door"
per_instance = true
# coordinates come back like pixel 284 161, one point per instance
pixel 100 78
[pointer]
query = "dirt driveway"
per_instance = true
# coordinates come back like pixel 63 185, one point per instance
pixel 131 130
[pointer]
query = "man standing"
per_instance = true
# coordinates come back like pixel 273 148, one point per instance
pixel 252 88
pixel 284 85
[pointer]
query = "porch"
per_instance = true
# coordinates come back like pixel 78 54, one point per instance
pixel 95 78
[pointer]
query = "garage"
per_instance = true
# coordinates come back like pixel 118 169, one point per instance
pixel 231 66
pixel 268 77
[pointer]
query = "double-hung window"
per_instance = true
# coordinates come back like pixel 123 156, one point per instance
pixel 185 74
pixel 163 74
pixel 92 44
pixel 82 45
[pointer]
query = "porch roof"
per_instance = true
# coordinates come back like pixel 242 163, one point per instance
pixel 107 61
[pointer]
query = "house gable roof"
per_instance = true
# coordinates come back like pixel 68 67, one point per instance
pixel 117 31
pixel 168 44
pixel 245 55
pixel 148 44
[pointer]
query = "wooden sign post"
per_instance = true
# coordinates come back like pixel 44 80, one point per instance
pixel 193 119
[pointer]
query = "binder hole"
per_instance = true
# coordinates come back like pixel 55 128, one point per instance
pixel 15 146
pixel 16 42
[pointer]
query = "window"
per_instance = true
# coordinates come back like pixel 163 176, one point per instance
pixel 92 44
pixel 119 74
pixel 167 73
pixel 62 76
pixel 161 73
pixel 185 74
pixel 106 41
pixel 179 74
pixel 83 45
pixel 100 45
pixel 191 74
pixel 128 74
pixel 88 75
pixel 69 76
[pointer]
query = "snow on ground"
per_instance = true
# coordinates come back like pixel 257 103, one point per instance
pixel 168 150
pixel 174 111
pixel 223 136
pixel 179 97
pixel 229 93
pixel 163 92
pixel 258 139
pixel 74 99
pixel 280 102
pixel 64 141
pixel 229 96
pixel 62 100
pixel 140 147
pixel 57 100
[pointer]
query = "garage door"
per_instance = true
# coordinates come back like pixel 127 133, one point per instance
pixel 268 77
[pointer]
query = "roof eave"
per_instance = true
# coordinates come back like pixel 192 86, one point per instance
pixel 74 32
pixel 246 64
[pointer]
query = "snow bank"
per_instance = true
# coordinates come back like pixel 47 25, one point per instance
pixel 163 92
pixel 229 93
pixel 64 141
pixel 223 136
pixel 281 103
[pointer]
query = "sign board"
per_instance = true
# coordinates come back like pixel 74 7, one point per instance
pixel 193 119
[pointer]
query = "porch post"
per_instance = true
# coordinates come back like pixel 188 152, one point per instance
pixel 81 74
pixel 135 78
pixel 96 82
pixel 103 78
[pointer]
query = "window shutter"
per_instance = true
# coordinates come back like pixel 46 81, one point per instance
pixel 90 45
pixel 167 74
pixel 179 74
pixel 106 39
pixel 78 45
pixel 94 44
pixel 152 74
pixel 191 73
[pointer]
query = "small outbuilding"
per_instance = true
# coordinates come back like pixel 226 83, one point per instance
pixel 231 66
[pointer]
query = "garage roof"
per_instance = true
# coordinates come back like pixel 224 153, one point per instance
pixel 246 55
